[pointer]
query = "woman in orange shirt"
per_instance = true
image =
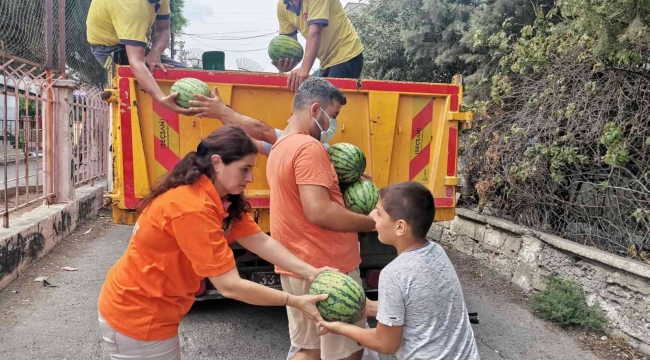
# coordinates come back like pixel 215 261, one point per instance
pixel 182 237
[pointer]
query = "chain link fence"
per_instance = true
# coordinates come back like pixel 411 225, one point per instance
pixel 31 30
pixel 41 43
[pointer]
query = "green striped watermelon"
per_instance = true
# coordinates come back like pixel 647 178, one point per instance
pixel 348 160
pixel 346 299
pixel 186 88
pixel 361 197
pixel 284 46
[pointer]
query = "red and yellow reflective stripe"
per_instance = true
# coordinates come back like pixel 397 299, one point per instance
pixel 421 130
pixel 166 140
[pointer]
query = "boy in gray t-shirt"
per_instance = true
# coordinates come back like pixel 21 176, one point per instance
pixel 421 312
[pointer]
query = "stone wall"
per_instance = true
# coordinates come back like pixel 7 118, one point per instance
pixel 528 257
pixel 34 234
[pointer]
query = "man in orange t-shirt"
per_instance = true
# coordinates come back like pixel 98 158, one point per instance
pixel 308 215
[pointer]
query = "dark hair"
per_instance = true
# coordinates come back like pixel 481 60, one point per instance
pixel 317 89
pixel 232 144
pixel 412 202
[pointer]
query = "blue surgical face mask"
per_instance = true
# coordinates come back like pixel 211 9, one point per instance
pixel 326 136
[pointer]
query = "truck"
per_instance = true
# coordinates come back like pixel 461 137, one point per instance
pixel 407 131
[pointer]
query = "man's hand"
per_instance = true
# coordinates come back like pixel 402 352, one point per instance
pixel 296 78
pixel 154 61
pixel 312 276
pixel 212 108
pixel 366 177
pixel 169 102
pixel 285 65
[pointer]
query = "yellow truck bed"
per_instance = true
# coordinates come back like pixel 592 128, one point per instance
pixel 408 131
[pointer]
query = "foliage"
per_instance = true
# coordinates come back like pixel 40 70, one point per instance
pixel 561 95
pixel 388 29
pixel 564 303
pixel 177 22
pixel 578 165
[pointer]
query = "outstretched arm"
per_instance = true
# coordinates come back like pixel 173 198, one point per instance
pixel 215 108
pixel 384 339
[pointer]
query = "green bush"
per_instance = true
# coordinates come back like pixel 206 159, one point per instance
pixel 564 303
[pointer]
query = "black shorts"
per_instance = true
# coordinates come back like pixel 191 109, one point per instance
pixel 350 69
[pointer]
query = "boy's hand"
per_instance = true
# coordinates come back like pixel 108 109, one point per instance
pixel 330 327
pixel 370 310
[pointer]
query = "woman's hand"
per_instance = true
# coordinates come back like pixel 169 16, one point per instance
pixel 307 304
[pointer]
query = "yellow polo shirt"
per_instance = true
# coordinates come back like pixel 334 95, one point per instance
pixel 126 22
pixel 339 41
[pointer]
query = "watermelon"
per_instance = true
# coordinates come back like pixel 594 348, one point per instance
pixel 348 161
pixel 361 197
pixel 186 88
pixel 346 299
pixel 284 46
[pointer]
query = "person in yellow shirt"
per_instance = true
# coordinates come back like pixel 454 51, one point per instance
pixel 330 35
pixel 115 26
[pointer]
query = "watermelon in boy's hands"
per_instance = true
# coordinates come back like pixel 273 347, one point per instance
pixel 186 88
pixel 346 299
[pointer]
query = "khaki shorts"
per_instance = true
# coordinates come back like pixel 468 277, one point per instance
pixel 122 347
pixel 304 332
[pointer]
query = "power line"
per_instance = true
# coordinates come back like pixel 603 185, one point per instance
pixel 235 23
pixel 225 50
pixel 232 38
pixel 233 32
pixel 230 13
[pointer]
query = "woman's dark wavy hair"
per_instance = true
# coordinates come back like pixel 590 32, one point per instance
pixel 232 144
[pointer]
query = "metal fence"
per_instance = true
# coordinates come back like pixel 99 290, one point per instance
pixel 43 42
pixel 90 135
pixel 26 105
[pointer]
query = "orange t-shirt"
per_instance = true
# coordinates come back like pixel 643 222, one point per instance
pixel 177 241
pixel 299 159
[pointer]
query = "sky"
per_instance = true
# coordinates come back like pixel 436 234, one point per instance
pixel 221 25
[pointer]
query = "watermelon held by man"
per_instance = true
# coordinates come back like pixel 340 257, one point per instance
pixel 187 88
pixel 285 47
pixel 361 197
pixel 346 299
pixel 349 162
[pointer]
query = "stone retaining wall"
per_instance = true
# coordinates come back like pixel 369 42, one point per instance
pixel 34 234
pixel 528 257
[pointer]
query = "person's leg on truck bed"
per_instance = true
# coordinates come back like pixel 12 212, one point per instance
pixel 350 69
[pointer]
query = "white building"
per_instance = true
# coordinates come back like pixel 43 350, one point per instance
pixel 353 8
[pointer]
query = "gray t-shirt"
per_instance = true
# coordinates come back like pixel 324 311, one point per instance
pixel 421 291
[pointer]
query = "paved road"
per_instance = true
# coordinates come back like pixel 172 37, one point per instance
pixel 29 166
pixel 61 322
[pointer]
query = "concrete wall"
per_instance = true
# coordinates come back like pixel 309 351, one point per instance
pixel 37 232
pixel 527 257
